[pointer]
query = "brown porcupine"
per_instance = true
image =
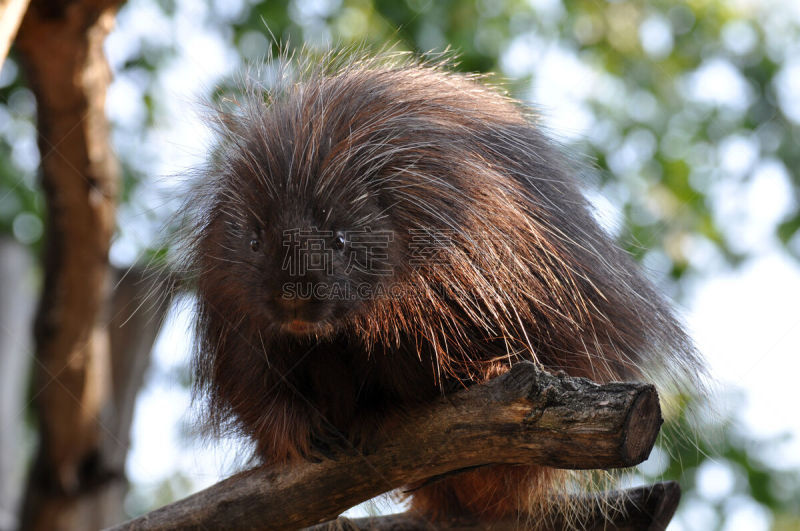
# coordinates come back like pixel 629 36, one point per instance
pixel 450 239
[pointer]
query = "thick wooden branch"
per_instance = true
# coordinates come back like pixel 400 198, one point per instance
pixel 643 508
pixel 525 416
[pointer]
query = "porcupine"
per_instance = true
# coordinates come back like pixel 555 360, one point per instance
pixel 439 201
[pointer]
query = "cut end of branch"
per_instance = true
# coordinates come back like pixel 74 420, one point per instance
pixel 641 427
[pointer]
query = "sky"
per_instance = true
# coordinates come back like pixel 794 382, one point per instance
pixel 745 322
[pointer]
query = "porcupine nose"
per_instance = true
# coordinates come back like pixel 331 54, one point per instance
pixel 299 314
pixel 290 304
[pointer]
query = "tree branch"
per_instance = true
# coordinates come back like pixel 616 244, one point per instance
pixel 525 416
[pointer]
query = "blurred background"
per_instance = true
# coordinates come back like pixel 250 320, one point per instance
pixel 684 115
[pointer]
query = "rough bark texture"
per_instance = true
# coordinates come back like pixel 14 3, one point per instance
pixel 648 508
pixel 17 289
pixel 522 417
pixel 61 50
pixel 11 12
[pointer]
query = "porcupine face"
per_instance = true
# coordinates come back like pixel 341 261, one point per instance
pixel 304 261
pixel 320 264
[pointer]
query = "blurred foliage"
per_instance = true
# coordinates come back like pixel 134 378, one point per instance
pixel 21 208
pixel 723 470
pixel 143 499
pixel 684 108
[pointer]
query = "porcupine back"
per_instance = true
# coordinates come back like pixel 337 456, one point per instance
pixel 516 269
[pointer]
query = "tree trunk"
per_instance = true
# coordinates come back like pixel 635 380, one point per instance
pixel 61 50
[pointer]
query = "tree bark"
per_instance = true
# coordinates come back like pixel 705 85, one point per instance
pixel 61 50
pixel 11 12
pixel 522 417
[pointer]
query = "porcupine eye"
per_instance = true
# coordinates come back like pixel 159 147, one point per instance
pixel 338 241
pixel 254 244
